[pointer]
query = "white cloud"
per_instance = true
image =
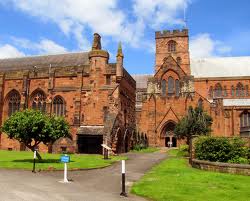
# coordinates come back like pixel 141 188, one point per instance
pixel 9 51
pixel 202 45
pixel 76 17
pixel 45 46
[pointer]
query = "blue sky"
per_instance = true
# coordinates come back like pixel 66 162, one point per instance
pixel 32 27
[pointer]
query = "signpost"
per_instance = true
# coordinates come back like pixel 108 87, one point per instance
pixel 106 150
pixel 123 193
pixel 65 159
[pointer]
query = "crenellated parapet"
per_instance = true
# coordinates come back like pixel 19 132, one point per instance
pixel 171 33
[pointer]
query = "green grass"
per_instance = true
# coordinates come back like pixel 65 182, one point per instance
pixel 147 150
pixel 174 180
pixel 24 160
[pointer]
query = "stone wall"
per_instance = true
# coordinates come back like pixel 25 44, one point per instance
pixel 222 167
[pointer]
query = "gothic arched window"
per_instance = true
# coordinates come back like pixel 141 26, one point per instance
pixel 245 119
pixel 239 90
pixel 14 100
pixel 225 91
pixel 232 91
pixel 59 106
pixel 39 101
pixel 163 87
pixel 177 88
pixel 218 90
pixel 210 92
pixel 170 85
pixel 171 46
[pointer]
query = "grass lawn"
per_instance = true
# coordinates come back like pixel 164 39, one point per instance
pixel 147 150
pixel 174 180
pixel 24 160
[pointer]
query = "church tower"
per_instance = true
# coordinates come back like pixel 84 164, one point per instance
pixel 173 43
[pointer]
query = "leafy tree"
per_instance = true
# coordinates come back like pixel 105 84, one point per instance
pixel 32 127
pixel 196 122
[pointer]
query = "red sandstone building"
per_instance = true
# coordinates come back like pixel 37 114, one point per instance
pixel 96 97
pixel 220 85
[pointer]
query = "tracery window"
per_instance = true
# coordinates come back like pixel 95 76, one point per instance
pixel 239 90
pixel 59 106
pixel 39 101
pixel 177 88
pixel 14 102
pixel 171 46
pixel 245 119
pixel 170 85
pixel 163 87
pixel 232 90
pixel 218 90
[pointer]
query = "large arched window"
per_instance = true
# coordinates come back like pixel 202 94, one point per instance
pixel 177 88
pixel 239 90
pixel 170 85
pixel 14 100
pixel 59 106
pixel 218 90
pixel 39 101
pixel 171 46
pixel 245 119
pixel 163 87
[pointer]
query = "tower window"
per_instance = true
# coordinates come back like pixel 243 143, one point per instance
pixel 171 46
pixel 170 85
pixel 177 88
pixel 163 87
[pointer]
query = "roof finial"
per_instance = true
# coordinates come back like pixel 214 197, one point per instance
pixel 96 42
pixel 119 51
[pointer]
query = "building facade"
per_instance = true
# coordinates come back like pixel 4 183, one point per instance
pixel 219 85
pixel 96 97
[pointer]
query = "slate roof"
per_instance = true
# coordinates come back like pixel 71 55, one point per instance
pixel 236 102
pixel 59 60
pixel 141 80
pixel 90 130
pixel 220 67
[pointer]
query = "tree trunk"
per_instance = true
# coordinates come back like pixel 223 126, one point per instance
pixel 32 148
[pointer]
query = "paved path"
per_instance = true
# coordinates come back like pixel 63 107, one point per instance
pixel 90 185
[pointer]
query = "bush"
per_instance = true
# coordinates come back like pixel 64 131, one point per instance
pixel 183 150
pixel 221 150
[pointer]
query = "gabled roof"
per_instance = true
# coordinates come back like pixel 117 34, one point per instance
pixel 141 80
pixel 59 60
pixel 220 67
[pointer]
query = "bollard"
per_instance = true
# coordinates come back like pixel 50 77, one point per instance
pixel 123 193
pixel 65 178
pixel 34 163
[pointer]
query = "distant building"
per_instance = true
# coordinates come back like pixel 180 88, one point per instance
pixel 96 97
pixel 219 85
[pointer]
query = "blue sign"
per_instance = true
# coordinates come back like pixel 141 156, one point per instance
pixel 65 159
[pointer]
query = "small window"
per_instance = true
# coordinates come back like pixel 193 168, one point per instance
pixel 178 59
pixel 246 88
pixel 225 91
pixel 239 90
pixel 218 90
pixel 232 91
pixel 105 113
pixel 210 92
pixel 163 87
pixel 108 80
pixel 171 46
pixel 170 85
pixel 200 103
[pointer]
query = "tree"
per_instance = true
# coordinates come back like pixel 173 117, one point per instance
pixel 32 127
pixel 196 122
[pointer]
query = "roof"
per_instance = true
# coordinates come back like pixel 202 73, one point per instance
pixel 90 130
pixel 236 102
pixel 59 60
pixel 220 67
pixel 141 80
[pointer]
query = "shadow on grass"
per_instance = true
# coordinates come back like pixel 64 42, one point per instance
pixel 39 161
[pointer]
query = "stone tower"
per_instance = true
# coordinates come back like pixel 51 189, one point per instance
pixel 173 43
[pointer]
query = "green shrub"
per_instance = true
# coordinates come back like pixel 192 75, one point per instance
pixel 184 148
pixel 222 150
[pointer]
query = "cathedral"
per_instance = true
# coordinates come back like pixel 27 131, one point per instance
pixel 220 85
pixel 104 104
pixel 96 97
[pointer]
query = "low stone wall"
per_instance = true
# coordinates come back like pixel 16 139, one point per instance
pixel 222 167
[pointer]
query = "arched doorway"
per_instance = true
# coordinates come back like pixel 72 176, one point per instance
pixel 168 134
